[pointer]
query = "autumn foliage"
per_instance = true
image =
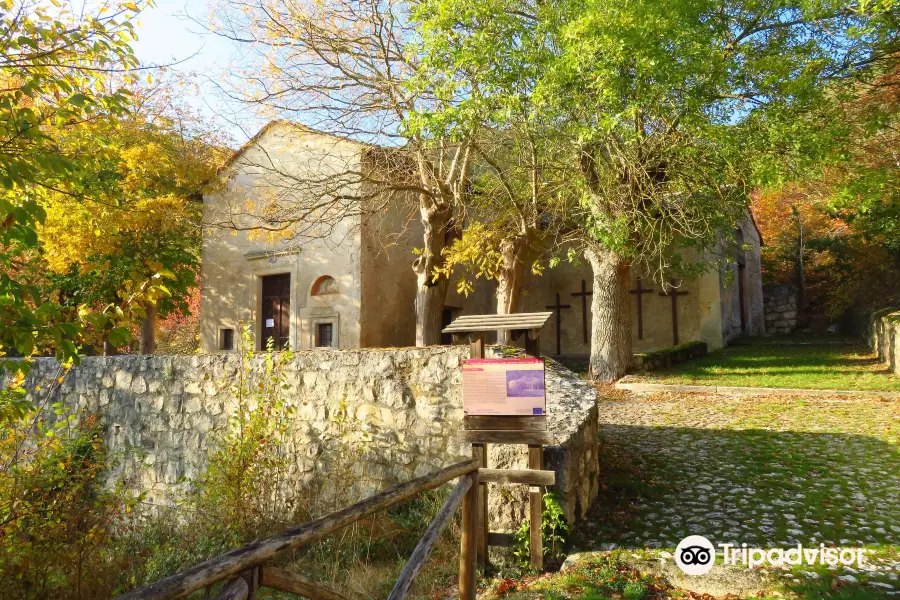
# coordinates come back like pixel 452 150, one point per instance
pixel 841 221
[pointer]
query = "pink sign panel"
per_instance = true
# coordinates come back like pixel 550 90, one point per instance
pixel 504 386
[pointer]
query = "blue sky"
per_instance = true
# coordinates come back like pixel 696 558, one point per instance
pixel 166 35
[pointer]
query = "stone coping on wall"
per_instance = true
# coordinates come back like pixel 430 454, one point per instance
pixel 569 398
pixel 573 420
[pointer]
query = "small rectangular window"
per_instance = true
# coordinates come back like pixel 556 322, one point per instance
pixel 226 339
pixel 324 335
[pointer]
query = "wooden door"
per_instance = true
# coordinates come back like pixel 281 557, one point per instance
pixel 276 310
pixel 446 319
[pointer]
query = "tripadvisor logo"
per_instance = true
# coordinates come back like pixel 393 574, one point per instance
pixel 695 555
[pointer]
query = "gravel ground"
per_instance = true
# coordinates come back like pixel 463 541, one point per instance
pixel 767 471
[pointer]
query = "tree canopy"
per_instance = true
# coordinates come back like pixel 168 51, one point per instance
pixel 56 66
pixel 670 111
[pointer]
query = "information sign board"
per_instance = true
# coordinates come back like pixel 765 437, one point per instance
pixel 504 386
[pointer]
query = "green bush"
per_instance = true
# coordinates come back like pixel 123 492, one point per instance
pixel 660 359
pixel 57 509
pixel 245 480
pixel 554 528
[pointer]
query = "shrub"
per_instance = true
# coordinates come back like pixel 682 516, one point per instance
pixel 246 477
pixel 554 528
pixel 57 510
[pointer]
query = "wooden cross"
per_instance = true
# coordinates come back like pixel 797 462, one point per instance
pixel 640 291
pixel 674 293
pixel 558 308
pixel 584 308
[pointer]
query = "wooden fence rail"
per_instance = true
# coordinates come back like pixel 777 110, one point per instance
pixel 241 564
pixel 429 539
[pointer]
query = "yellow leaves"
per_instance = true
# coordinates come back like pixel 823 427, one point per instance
pixel 77 233
pixel 476 251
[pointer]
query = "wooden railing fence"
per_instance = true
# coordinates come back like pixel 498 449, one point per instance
pixel 248 568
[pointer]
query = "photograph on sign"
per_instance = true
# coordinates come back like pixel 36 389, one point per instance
pixel 504 386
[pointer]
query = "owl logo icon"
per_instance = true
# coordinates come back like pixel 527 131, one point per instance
pixel 695 555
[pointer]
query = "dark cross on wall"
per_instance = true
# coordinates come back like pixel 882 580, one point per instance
pixel 639 291
pixel 584 308
pixel 558 308
pixel 673 293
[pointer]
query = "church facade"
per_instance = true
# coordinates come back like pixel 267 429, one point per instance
pixel 353 285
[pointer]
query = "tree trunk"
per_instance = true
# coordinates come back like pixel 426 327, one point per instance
pixel 148 331
pixel 108 348
pixel 430 293
pixel 510 280
pixel 611 319
pixel 799 269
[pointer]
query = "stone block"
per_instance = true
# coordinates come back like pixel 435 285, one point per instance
pixel 138 385
pixel 123 380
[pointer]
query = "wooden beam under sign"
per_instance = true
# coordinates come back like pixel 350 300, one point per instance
pixel 538 438
pixel 500 423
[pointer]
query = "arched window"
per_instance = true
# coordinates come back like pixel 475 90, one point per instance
pixel 324 285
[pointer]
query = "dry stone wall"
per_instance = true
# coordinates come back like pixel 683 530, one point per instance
pixel 780 303
pixel 882 331
pixel 385 415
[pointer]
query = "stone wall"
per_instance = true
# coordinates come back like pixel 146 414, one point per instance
pixel 403 408
pixel 661 359
pixel 882 331
pixel 780 308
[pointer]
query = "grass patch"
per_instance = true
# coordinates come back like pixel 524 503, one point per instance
pixel 360 561
pixel 605 576
pixel 808 362
pixel 595 579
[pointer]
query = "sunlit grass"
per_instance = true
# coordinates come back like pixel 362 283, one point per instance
pixel 786 362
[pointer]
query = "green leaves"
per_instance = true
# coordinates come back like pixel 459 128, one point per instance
pixel 119 336
pixel 48 65
pixel 670 110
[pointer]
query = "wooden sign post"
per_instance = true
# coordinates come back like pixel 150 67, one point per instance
pixel 483 429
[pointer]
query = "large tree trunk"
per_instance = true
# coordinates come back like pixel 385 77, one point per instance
pixel 510 280
pixel 430 293
pixel 611 319
pixel 148 331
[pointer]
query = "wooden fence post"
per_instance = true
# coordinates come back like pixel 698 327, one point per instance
pixel 479 452
pixel 467 551
pixel 535 499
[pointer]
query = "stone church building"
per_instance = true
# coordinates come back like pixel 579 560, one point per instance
pixel 353 285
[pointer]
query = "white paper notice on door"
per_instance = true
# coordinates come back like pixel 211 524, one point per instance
pixel 504 386
pixel 270 322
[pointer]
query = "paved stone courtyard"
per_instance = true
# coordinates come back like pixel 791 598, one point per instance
pixel 768 471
